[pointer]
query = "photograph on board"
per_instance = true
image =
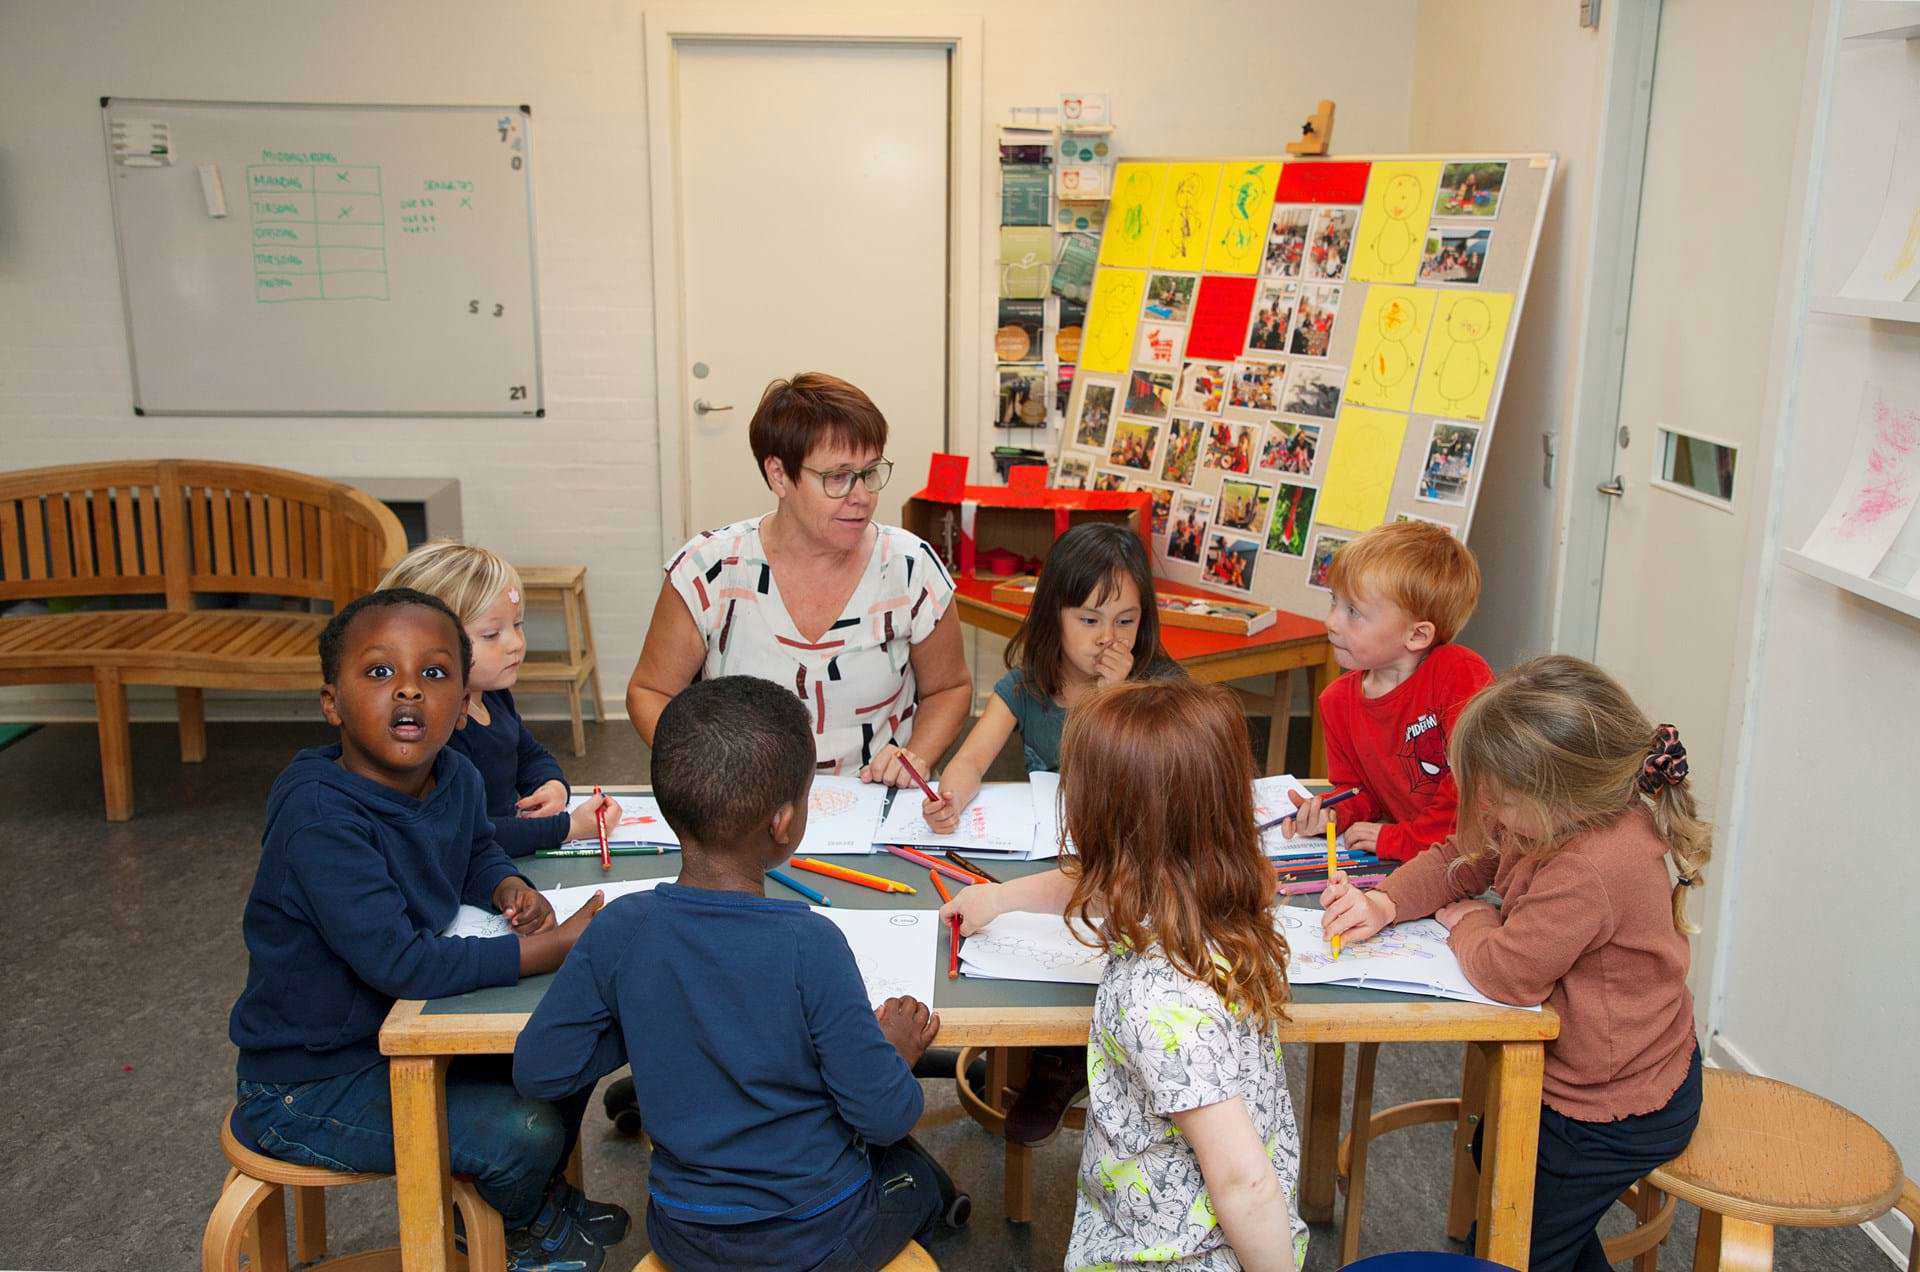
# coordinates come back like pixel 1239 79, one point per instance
pixel 1072 472
pixel 1324 546
pixel 1292 518
pixel 1149 394
pixel 1289 447
pixel 1230 560
pixel 1162 506
pixel 1096 413
pixel 1455 254
pixel 1230 447
pixel 1286 243
pixel 1243 506
pixel 1448 471
pixel 1330 244
pixel 1314 391
pixel 1273 307
pixel 1134 445
pixel 1184 437
pixel 1471 189
pixel 1159 346
pixel 1191 513
pixel 1170 296
pixel 1023 396
pixel 1256 385
pixel 1203 387
pixel 1107 479
pixel 1313 321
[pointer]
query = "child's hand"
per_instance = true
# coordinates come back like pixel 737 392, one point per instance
pixel 1455 911
pixel 1351 914
pixel 956 792
pixel 887 770
pixel 1112 665
pixel 524 909
pixel 1362 836
pixel 547 799
pixel 909 1025
pixel 977 904
pixel 1308 819
pixel 543 952
pixel 581 823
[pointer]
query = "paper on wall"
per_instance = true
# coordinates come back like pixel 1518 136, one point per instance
pixel 1186 211
pixel 1241 213
pixel 471 920
pixel 1877 491
pixel 1890 267
pixel 1388 346
pixel 1393 222
pixel 1463 355
pixel 1112 315
pixel 1131 214
pixel 1366 453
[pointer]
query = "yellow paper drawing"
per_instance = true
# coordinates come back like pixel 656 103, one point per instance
pixel 1240 216
pixel 1186 209
pixel 1366 452
pixel 1386 353
pixel 1469 330
pixel 1128 239
pixel 1112 313
pixel 1393 222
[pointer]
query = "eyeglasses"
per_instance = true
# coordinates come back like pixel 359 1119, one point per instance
pixel 839 483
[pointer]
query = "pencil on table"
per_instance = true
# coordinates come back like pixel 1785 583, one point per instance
pixel 600 820
pixel 845 875
pixel 787 880
pixel 933 863
pixel 964 864
pixel 953 927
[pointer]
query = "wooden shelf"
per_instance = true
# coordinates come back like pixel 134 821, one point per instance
pixel 1881 20
pixel 1880 593
pixel 1885 310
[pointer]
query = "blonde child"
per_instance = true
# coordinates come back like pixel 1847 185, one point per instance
pixel 526 791
pixel 1094 622
pixel 1571 802
pixel 1192 1155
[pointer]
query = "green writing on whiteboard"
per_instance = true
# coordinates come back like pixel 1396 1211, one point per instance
pixel 297 156
pixel 319 226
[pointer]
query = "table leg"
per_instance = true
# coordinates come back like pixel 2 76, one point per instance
pixel 422 1169
pixel 1509 1152
pixel 1464 1198
pixel 1008 1069
pixel 1279 716
pixel 1323 676
pixel 1726 1244
pixel 1326 1071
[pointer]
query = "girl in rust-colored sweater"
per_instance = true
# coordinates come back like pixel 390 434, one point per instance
pixel 1571 802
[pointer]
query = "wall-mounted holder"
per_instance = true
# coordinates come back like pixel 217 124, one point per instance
pixel 1316 134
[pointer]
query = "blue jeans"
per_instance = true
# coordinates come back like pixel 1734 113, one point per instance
pixel 511 1146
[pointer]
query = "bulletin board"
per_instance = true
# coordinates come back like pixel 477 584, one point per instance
pixel 1287 353
pixel 290 259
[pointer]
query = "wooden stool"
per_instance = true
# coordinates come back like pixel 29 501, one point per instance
pixel 251 1216
pixel 1654 1210
pixel 1768 1154
pixel 911 1259
pixel 1006 1070
pixel 576 667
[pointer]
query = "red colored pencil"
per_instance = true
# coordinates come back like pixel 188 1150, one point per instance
pixel 929 863
pixel 953 943
pixel 914 773
pixel 600 820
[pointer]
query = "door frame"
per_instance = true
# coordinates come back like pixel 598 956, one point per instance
pixel 663 30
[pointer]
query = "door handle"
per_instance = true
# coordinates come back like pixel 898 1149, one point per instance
pixel 1617 487
pixel 703 407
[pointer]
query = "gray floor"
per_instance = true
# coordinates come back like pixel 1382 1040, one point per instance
pixel 128 956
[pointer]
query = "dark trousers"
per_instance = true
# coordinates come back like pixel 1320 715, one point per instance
pixel 902 1202
pixel 1585 1166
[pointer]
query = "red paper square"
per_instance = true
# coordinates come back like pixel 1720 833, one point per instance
pixel 1322 183
pixel 1027 477
pixel 1220 316
pixel 947 478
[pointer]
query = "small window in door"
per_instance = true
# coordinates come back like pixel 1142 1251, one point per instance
pixel 1697 467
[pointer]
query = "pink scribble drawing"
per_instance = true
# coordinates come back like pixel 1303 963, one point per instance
pixel 1887 486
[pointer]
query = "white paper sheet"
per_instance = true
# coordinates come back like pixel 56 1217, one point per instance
pixel 896 950
pixel 1407 958
pixel 998 820
pixel 471 920
pixel 640 823
pixel 1032 947
pixel 1878 490
pixel 1044 788
pixel 843 817
pixel 1890 267
pixel 1270 801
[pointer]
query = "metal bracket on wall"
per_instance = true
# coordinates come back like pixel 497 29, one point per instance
pixel 1590 13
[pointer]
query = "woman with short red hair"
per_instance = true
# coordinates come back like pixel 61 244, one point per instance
pixel 855 616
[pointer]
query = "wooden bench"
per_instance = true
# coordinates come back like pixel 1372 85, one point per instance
pixel 175 530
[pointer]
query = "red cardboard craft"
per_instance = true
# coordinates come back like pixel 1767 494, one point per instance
pixel 946 477
pixel 1027 477
pixel 1220 316
pixel 1322 183
pixel 966 524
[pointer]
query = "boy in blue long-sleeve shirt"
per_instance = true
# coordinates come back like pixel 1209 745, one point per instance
pixel 370 847
pixel 765 1080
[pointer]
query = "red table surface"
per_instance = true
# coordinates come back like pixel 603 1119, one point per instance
pixel 1182 643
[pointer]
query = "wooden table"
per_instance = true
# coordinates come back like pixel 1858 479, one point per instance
pixel 1292 644
pixel 421 1038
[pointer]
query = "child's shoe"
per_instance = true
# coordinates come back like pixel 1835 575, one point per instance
pixel 604 1223
pixel 623 1110
pixel 553 1243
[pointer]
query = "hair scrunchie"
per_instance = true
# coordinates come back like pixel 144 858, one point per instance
pixel 1666 763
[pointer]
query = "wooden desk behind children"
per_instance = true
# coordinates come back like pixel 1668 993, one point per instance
pixel 1293 643
pixel 420 1038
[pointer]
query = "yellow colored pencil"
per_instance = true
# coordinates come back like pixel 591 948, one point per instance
pixel 1332 866
pixel 860 877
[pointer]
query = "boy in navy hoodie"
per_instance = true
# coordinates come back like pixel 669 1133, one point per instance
pixel 777 1099
pixel 370 847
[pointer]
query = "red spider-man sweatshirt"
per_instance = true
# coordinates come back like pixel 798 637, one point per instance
pixel 1394 748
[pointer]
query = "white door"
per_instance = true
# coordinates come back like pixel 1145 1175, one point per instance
pixel 813 224
pixel 1694 387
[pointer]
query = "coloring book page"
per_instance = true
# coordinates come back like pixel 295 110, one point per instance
pixel 998 820
pixel 1270 801
pixel 896 949
pixel 1032 947
pixel 1048 830
pixel 1878 490
pixel 843 817
pixel 640 823
pixel 471 920
pixel 1407 958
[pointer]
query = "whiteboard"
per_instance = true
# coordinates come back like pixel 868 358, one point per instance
pixel 372 260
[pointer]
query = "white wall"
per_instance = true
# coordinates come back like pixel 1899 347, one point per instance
pixel 1521 75
pixel 1820 940
pixel 1230 77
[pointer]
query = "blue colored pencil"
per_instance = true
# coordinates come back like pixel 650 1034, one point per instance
pixel 780 876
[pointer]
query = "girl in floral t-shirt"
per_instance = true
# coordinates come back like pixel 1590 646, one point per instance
pixel 1192 1155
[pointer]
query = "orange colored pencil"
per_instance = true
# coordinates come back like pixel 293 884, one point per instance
pixel 861 877
pixel 953 943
